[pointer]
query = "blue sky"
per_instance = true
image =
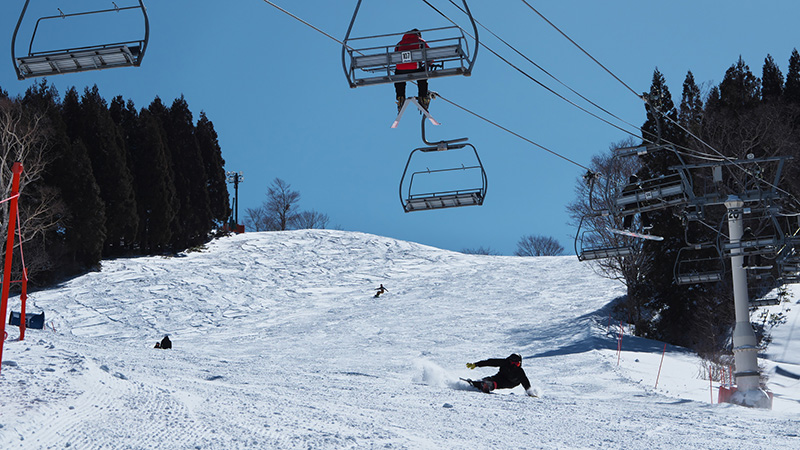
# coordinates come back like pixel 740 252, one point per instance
pixel 277 95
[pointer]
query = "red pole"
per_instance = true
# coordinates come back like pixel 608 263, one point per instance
pixel 17 170
pixel 23 298
pixel 660 364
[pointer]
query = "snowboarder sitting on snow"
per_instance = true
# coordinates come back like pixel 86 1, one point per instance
pixel 509 376
pixel 165 343
pixel 380 290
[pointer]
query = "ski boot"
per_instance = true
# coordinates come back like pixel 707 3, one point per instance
pixel 425 101
pixel 400 101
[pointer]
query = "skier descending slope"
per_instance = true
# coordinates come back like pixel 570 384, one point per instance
pixel 509 376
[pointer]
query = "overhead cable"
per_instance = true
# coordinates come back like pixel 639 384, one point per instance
pixel 439 95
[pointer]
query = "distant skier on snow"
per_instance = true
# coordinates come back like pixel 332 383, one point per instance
pixel 509 376
pixel 380 290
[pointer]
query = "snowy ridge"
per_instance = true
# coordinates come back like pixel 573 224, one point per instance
pixel 278 343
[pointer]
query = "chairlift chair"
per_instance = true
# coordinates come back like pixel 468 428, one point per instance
pixel 698 264
pixel 766 238
pixel 473 194
pixel 372 60
pixel 79 59
pixel 653 194
pixel 760 284
pixel 589 246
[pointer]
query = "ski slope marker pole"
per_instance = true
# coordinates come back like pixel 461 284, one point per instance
pixel 660 364
pixel 619 342
pixel 710 385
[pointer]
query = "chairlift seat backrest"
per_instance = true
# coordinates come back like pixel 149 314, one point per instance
pixel 380 67
pixel 392 58
pixel 659 192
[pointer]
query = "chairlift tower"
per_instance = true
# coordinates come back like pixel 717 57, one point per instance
pixel 677 189
pixel 745 344
pixel 235 178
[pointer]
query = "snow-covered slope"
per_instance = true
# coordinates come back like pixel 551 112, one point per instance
pixel 278 343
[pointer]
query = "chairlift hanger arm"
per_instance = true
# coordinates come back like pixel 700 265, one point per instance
pixel 14 41
pixel 86 13
pixel 443 144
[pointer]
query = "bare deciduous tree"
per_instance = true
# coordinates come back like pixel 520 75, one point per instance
pixel 311 219
pixel 24 138
pixel 538 246
pixel 281 204
pixel 480 251
pixel 255 219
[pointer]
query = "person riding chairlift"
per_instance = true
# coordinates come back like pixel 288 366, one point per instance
pixel 412 40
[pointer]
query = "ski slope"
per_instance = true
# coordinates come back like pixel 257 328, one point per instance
pixel 279 344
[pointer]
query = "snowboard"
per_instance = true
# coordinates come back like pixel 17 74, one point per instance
pixel 635 235
pixel 468 381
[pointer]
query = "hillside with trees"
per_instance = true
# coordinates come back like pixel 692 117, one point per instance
pixel 105 179
pixel 742 118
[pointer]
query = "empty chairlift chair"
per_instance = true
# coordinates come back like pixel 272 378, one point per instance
pixel 457 178
pixel 700 263
pixel 416 198
pixel 106 55
pixel 761 286
pixel 591 245
pixel 372 60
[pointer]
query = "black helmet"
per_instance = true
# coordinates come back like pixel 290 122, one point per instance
pixel 515 357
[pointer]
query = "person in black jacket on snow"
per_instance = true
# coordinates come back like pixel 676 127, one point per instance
pixel 509 376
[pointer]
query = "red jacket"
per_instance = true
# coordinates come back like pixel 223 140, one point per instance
pixel 410 41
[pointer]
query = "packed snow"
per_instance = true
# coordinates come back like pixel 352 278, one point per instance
pixel 278 343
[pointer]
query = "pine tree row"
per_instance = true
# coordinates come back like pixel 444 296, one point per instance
pixel 114 180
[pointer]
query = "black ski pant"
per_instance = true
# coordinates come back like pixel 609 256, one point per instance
pixel 400 86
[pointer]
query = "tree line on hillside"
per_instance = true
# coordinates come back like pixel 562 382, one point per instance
pixel 528 245
pixel 105 179
pixel 743 117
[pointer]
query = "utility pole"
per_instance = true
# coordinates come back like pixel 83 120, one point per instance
pixel 235 178
pixel 745 346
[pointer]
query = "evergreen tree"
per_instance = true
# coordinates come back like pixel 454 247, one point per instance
pixel 191 186
pixel 76 243
pixel 656 291
pixel 155 193
pixel 662 119
pixel 792 89
pixel 215 169
pixel 106 149
pixel 771 81
pixel 154 174
pixel 690 114
pixel 740 89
